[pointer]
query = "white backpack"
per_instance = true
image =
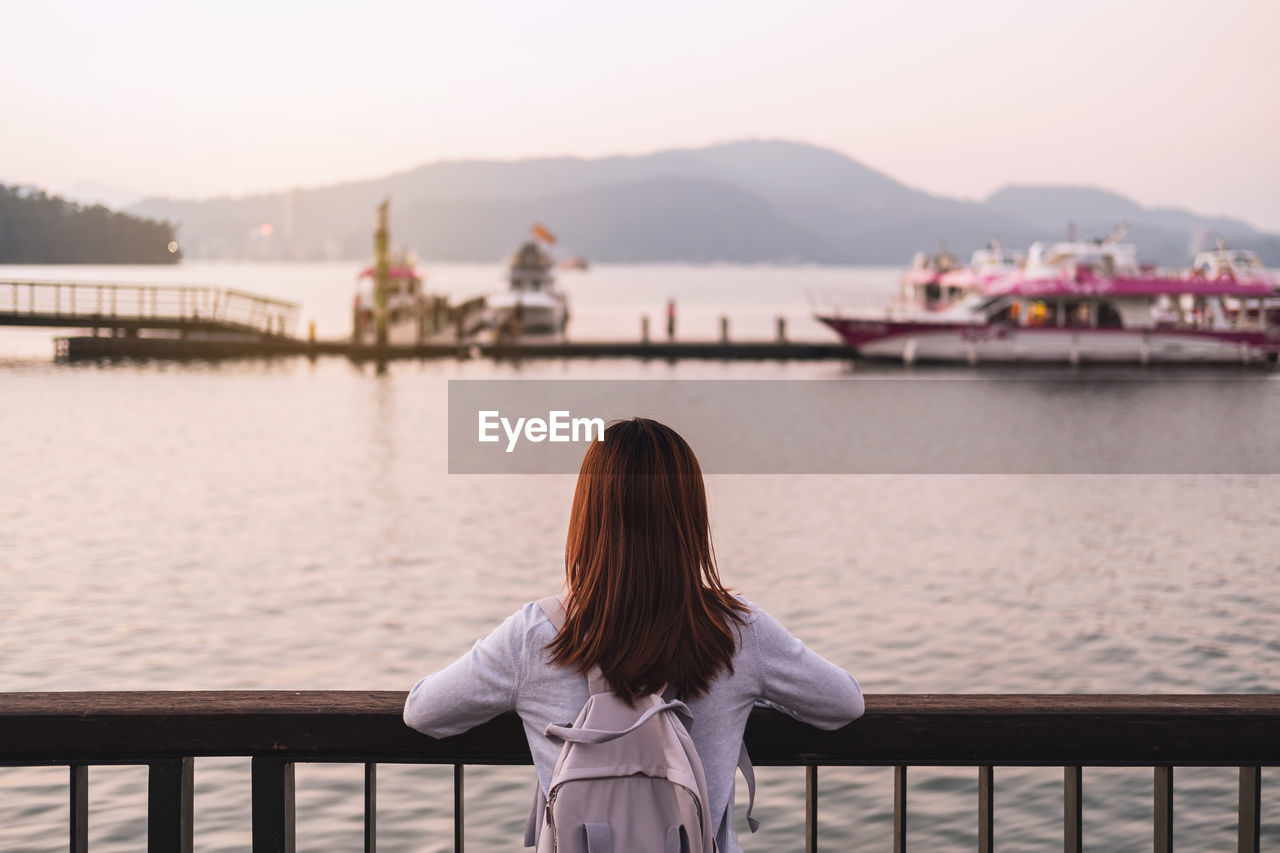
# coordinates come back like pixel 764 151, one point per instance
pixel 628 780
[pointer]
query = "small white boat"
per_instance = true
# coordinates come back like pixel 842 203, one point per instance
pixel 532 304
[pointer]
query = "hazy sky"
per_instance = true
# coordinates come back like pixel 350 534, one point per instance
pixel 1168 101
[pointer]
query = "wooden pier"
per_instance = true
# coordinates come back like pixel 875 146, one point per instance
pixel 100 348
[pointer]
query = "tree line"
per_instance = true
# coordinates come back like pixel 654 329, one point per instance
pixel 37 228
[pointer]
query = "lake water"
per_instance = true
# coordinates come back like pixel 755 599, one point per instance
pixel 290 525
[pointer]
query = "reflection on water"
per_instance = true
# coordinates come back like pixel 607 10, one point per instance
pixel 291 525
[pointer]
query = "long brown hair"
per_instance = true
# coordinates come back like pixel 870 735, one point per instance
pixel 645 601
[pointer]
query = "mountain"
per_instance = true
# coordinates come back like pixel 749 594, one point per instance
pixel 658 218
pixel 742 201
pixel 36 228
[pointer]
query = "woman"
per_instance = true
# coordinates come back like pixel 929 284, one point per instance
pixel 645 604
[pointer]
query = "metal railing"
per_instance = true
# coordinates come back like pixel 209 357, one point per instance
pixel 167 730
pixel 158 306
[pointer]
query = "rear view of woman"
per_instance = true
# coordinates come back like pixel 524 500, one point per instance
pixel 644 604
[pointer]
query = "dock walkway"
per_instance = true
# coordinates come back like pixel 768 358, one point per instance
pixel 123 310
pixel 97 348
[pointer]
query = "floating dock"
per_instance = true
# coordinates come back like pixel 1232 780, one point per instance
pixel 198 348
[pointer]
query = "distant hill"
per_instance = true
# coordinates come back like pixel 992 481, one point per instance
pixel 36 228
pixel 742 201
pixel 1165 234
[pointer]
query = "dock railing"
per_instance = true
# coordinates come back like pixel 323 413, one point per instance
pixel 148 306
pixel 167 730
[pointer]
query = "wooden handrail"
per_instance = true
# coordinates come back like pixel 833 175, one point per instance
pixel 167 730
pixel 167 306
pixel 963 729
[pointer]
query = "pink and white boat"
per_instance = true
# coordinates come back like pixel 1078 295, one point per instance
pixel 1077 302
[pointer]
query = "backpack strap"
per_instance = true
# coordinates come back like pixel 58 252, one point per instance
pixel 553 607
pixel 577 735
pixel 599 837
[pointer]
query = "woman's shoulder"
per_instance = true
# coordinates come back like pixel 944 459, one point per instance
pixel 526 623
pixel 763 627
pixel 533 620
pixel 752 612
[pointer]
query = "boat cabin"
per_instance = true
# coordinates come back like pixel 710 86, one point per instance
pixel 1236 264
pixel 530 269
pixel 939 262
pixel 1103 260
pixel 1171 308
pixel 923 286
pixel 997 259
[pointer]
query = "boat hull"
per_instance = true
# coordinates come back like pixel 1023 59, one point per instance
pixel 912 341
pixel 538 313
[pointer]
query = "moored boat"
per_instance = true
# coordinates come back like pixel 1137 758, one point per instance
pixel 412 314
pixel 1082 302
pixel 391 305
pixel 532 304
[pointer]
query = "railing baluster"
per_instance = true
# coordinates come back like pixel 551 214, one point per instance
pixel 79 822
pixel 986 809
pixel 811 808
pixel 169 805
pixel 1072 809
pixel 370 807
pixel 1250 809
pixel 457 808
pixel 900 809
pixel 272 806
pixel 1164 810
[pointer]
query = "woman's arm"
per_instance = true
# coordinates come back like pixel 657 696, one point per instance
pixel 475 688
pixel 800 682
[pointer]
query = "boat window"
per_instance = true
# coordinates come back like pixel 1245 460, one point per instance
pixel 986 305
pixel 1006 314
pixel 1108 316
pixel 1075 314
pixel 1039 314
